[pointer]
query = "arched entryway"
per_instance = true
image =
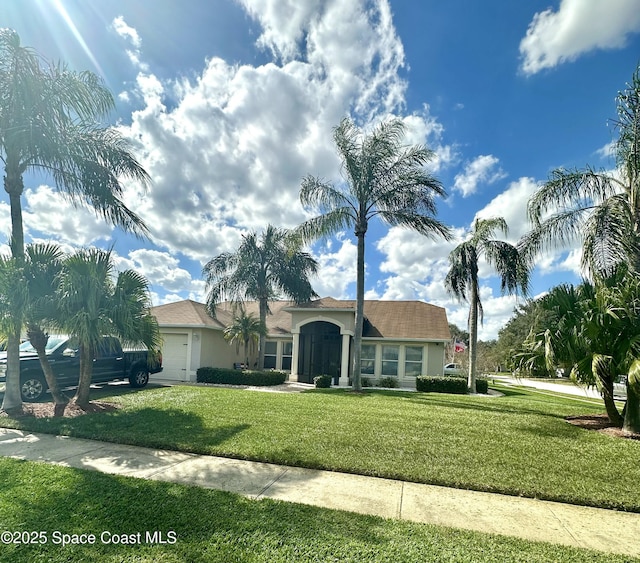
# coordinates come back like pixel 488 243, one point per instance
pixel 320 351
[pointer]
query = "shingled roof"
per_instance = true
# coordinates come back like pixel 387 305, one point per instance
pixel 383 319
pixel 393 319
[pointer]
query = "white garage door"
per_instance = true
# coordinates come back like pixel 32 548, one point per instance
pixel 174 358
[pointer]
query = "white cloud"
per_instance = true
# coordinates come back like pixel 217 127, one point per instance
pixel 162 269
pixel 511 204
pixel 483 169
pixel 130 35
pixel 337 270
pixel 579 26
pixel 48 213
pixel 228 149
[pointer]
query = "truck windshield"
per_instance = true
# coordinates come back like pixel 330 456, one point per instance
pixel 52 344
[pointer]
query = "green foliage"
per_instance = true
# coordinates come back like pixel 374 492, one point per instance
pixel 262 269
pixel 428 384
pixel 382 178
pixel 322 381
pixel 482 385
pixel 388 382
pixel 462 278
pixel 239 377
pixel 366 382
pixel 596 207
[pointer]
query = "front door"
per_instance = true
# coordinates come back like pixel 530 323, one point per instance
pixel 320 351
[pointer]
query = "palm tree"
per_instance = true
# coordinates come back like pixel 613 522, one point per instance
pixel 382 178
pixel 262 269
pixel 599 208
pixel 245 329
pixel 48 122
pixel 462 278
pixel 94 302
pixel 42 268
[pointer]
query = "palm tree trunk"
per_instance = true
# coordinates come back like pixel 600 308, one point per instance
pixel 81 397
pixel 632 411
pixel 263 320
pixel 609 402
pixel 38 340
pixel 473 335
pixel 12 402
pixel 357 339
pixel 13 185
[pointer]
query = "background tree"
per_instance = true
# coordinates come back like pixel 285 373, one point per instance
pixel 245 329
pixel 263 269
pixel 382 178
pixel 94 302
pixel 49 123
pixel 462 278
pixel 598 208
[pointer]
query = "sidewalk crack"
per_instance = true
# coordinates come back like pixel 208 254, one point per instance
pixel 270 484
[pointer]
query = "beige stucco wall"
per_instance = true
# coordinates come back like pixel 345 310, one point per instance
pixel 217 352
pixel 344 319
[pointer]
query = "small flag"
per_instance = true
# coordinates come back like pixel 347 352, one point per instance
pixel 459 346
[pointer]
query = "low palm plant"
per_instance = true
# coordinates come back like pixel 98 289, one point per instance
pixel 245 329
pixel 94 301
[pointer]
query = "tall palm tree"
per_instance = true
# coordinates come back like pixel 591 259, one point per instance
pixel 49 122
pixel 382 178
pixel 462 278
pixel 599 208
pixel 263 269
pixel 245 329
pixel 93 302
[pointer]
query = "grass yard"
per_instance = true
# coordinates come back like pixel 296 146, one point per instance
pixel 208 525
pixel 519 444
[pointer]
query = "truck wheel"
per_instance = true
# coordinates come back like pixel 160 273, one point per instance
pixel 32 387
pixel 139 376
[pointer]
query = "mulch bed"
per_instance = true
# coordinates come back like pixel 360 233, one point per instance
pixel 45 410
pixel 600 423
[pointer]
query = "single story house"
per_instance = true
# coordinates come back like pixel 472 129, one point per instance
pixel 400 339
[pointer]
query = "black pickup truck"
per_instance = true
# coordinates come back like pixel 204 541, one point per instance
pixel 111 363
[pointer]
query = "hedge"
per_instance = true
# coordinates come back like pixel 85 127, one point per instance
pixel 427 384
pixel 439 384
pixel 322 381
pixel 239 377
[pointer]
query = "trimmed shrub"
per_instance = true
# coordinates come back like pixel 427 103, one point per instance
pixel 322 381
pixel 237 377
pixel 482 386
pixel 389 382
pixel 428 384
pixel 366 382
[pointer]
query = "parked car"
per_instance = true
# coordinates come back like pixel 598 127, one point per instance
pixel 620 388
pixel 111 363
pixel 453 369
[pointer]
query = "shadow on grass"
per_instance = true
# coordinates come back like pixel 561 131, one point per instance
pixel 148 427
pixel 207 525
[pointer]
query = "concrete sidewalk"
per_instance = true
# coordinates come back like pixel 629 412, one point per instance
pixel 593 528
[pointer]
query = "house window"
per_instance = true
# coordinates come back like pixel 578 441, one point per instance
pixel 270 354
pixel 413 361
pixel 287 352
pixel 368 359
pixel 390 360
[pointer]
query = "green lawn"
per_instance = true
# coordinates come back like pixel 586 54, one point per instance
pixel 208 525
pixel 519 444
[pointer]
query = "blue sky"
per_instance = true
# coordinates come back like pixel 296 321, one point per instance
pixel 230 103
